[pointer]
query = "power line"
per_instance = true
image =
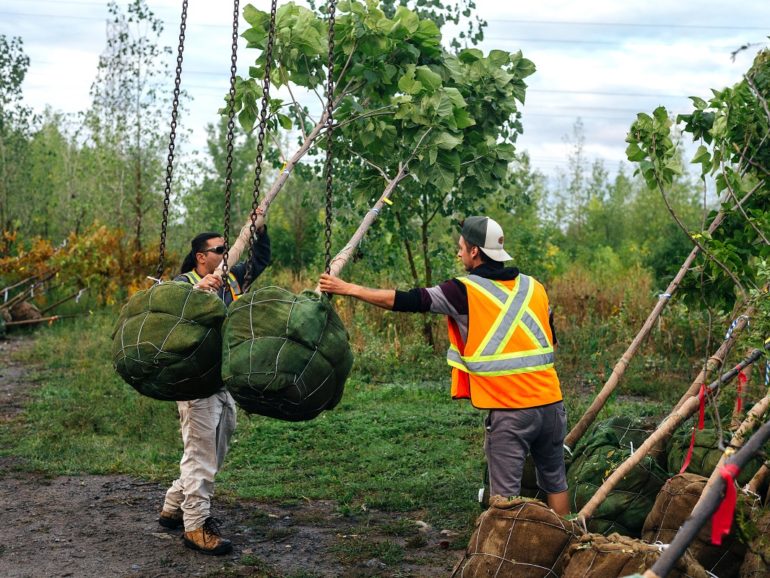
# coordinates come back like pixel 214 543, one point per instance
pixel 629 24
pixel 100 19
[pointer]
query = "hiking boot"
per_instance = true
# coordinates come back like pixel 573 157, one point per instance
pixel 171 520
pixel 207 539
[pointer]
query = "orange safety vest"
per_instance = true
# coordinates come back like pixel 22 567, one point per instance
pixel 507 360
pixel 232 283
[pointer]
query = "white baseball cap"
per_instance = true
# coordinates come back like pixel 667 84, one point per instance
pixel 487 235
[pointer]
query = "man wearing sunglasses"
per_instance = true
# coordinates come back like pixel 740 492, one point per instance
pixel 207 423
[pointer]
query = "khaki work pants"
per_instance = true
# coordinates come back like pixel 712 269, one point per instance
pixel 207 425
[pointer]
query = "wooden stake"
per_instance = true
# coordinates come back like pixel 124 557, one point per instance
pixel 660 435
pixel 609 387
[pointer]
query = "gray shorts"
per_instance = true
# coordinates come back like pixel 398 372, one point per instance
pixel 513 433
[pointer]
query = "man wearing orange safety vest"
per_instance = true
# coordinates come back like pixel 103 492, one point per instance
pixel 501 353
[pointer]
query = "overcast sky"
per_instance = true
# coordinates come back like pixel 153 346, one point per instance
pixel 601 61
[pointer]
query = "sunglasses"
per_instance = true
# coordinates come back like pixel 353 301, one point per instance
pixel 219 250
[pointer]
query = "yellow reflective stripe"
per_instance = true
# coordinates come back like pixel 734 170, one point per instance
pixel 521 304
pixel 529 332
pixel 533 318
pixel 511 365
pixel 195 277
pixel 492 333
pixel 454 358
pixel 496 289
pixel 487 293
pixel 517 320
pixel 504 356
pixel 511 371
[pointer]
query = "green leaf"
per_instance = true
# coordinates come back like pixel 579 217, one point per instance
pixel 634 153
pixel 429 79
pixel 446 141
pixel 284 121
pixel 702 155
pixel 407 82
pixel 470 55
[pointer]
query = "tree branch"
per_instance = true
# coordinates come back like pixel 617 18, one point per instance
pixel 740 208
pixel 300 111
pixel 696 242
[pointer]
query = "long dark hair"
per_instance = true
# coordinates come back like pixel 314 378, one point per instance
pixel 197 245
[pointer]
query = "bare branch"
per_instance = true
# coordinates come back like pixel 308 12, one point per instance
pixel 695 241
pixel 300 112
pixel 377 112
pixel 759 96
pixel 347 64
pixel 740 208
pixel 383 174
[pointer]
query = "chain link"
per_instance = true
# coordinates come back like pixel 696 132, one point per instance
pixel 329 132
pixel 230 132
pixel 261 134
pixel 171 143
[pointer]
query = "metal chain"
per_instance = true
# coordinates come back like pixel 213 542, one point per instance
pixel 171 144
pixel 261 134
pixel 329 132
pixel 230 131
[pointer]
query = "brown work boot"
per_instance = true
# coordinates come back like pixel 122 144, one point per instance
pixel 207 539
pixel 171 520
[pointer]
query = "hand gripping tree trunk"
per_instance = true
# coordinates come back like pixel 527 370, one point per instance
pixel 707 505
pixel 663 433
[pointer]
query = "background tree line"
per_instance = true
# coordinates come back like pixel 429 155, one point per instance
pixel 61 174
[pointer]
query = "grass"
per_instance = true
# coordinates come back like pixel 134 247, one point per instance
pixel 396 442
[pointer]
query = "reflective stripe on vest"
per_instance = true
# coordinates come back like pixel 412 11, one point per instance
pixel 489 358
pixel 235 287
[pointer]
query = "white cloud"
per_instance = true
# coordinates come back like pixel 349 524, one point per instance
pixel 633 57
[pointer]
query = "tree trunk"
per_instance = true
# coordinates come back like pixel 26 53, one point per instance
pixel 663 433
pixel 427 328
pixel 408 247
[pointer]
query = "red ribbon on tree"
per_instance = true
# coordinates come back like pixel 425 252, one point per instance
pixel 742 379
pixel 723 517
pixel 701 423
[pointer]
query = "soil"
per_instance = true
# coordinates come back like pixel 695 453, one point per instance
pixel 95 526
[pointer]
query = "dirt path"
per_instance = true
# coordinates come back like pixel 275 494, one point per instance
pixel 95 526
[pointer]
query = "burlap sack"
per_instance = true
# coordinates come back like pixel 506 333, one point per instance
pixel 285 355
pixel 615 556
pixel 628 504
pixel 24 311
pixel 706 453
pixel 674 505
pixel 517 538
pixel 756 564
pixel 167 342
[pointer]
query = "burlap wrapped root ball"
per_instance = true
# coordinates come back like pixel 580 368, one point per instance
pixel 167 342
pixel 517 538
pixel 673 507
pixel 597 456
pixel 706 453
pixel 285 355
pixel 616 556
pixel 25 311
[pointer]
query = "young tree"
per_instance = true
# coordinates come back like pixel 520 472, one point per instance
pixel 404 106
pixel 734 156
pixel 127 112
pixel 15 124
